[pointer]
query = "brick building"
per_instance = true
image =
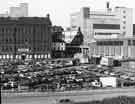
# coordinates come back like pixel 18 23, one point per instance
pixel 58 43
pixel 25 37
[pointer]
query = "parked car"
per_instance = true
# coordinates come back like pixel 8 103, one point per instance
pixel 65 101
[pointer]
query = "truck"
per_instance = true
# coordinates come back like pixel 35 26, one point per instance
pixel 106 61
pixel 109 81
pixel 80 58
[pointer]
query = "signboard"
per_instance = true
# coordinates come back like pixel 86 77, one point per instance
pixel 23 50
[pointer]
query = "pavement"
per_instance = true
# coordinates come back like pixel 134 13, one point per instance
pixel 53 97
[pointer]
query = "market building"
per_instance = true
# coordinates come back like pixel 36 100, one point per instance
pixel 25 38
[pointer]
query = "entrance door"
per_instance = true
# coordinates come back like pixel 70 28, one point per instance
pixel 23 56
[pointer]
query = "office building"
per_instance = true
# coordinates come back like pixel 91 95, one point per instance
pixel 108 24
pixel 117 48
pixel 106 33
pixel 25 37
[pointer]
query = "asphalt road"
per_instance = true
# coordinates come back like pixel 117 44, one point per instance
pixel 51 98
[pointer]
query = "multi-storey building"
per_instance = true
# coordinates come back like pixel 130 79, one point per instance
pixel 107 33
pixel 58 43
pixel 25 37
pixel 103 24
pixel 117 48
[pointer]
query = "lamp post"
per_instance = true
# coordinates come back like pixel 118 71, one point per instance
pixel 33 46
pixel 14 36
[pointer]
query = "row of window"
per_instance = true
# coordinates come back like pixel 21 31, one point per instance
pixel 99 33
pixel 124 22
pixel 58 46
pixel 11 49
pixel 106 26
pixel 11 40
pixel 21 29
pixel 27 56
pixel 107 51
pixel 131 42
pixel 112 43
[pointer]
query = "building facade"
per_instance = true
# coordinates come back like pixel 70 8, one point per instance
pixel 58 43
pixel 6 14
pixel 69 35
pixel 106 24
pixel 25 37
pixel 106 33
pixel 116 48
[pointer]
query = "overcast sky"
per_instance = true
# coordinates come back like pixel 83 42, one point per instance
pixel 60 10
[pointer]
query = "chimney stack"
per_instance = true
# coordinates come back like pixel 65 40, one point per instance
pixel 107 5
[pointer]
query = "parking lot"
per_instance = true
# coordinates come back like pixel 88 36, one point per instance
pixel 59 76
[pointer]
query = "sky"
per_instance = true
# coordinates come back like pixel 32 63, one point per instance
pixel 60 10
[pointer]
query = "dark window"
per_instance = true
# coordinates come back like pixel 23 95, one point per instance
pixel 124 22
pixel 99 33
pixel 106 26
pixel 133 42
pixel 6 40
pixel 3 30
pixel 124 16
pixel 124 33
pixel 10 48
pixel 124 11
pixel 129 42
pixel 111 43
pixel 120 43
pixel 124 27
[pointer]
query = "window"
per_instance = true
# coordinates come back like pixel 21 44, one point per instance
pixel 124 22
pixel 111 43
pixel 124 11
pixel 58 48
pixel 129 42
pixel 124 16
pixel 124 27
pixel 2 30
pixel 6 40
pixel 106 26
pixel 10 48
pixel 124 33
pixel 133 42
